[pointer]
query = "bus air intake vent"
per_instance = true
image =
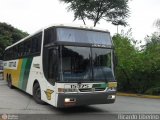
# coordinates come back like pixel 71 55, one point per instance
pixel 86 90
pixel 91 89
pixel 99 89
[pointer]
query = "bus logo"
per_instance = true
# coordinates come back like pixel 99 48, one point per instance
pixel 49 93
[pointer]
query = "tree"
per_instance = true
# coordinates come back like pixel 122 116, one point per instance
pixel 152 50
pixel 114 11
pixel 138 71
pixel 126 54
pixel 8 36
pixel 157 24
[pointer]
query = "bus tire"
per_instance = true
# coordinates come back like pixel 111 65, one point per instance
pixel 37 94
pixel 9 81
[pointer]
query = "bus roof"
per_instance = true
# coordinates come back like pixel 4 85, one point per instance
pixel 76 26
pixel 59 25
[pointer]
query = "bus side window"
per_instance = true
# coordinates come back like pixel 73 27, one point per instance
pixel 5 55
pixel 14 52
pixel 27 47
pixel 19 51
pixel 9 56
pixel 39 41
pixel 33 45
pixel 36 43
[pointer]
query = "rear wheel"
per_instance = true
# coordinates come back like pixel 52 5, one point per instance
pixel 9 81
pixel 37 94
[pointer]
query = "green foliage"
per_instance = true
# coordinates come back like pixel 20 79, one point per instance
pixel 9 35
pixel 125 52
pixel 153 91
pixel 137 71
pixel 114 11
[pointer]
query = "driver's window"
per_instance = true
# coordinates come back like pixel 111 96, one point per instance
pixel 52 65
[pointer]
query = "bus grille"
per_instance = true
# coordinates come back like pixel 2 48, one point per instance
pixel 99 89
pixel 91 89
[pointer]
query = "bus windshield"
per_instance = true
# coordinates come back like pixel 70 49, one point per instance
pixel 83 36
pixel 82 64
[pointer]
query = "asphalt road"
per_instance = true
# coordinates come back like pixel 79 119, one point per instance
pixel 14 101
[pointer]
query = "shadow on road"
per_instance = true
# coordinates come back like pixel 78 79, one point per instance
pixel 79 109
pixel 69 110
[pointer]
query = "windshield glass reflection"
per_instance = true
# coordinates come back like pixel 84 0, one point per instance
pixel 86 64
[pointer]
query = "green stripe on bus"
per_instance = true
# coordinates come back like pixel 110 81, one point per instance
pixel 103 85
pixel 22 72
pixel 26 75
pixel 100 85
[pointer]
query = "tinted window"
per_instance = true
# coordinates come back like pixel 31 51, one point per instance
pixel 86 64
pixel 76 64
pixel 83 36
pixel 49 35
pixel 29 47
pixel 36 43
pixel 50 64
pixel 102 64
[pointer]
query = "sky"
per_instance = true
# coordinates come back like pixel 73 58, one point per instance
pixel 32 15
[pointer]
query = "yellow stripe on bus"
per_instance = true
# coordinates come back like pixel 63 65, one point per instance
pixel 16 73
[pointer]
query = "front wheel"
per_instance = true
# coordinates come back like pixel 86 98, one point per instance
pixel 37 94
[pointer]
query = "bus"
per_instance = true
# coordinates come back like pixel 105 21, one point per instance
pixel 1 66
pixel 63 66
pixel 1 69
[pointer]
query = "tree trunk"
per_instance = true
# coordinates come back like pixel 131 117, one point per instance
pixel 83 20
pixel 95 22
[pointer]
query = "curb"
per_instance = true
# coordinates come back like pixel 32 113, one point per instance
pixel 138 95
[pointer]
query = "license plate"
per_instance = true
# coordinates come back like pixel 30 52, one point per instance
pixel 80 86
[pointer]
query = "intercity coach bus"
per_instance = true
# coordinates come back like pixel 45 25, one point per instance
pixel 63 66
pixel 1 70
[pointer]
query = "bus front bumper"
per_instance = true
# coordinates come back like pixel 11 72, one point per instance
pixel 81 99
